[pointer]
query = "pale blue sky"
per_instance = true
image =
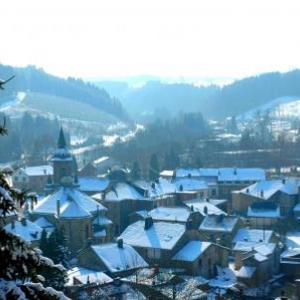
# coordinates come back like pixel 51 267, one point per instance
pixel 201 38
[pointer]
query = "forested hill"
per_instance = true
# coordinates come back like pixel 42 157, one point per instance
pixel 36 80
pixel 249 93
pixel 213 101
pixel 156 99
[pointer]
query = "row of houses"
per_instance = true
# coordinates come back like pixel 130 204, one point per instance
pixel 196 220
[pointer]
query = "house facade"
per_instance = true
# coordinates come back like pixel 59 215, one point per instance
pixel 32 178
pixel 282 192
pixel 220 229
pixel 201 258
pixel 260 259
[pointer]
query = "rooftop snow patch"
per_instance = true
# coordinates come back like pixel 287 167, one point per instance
pixel 161 235
pixel 48 205
pixel 117 258
pixel 191 251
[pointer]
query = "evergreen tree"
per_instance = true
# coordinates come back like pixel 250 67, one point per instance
pixel 135 171
pixel 61 253
pixel 55 247
pixel 20 264
pixel 153 167
pixel 43 244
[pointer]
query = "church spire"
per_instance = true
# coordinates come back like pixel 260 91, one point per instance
pixel 62 160
pixel 61 140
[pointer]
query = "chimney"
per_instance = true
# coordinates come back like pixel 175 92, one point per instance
pixel 24 222
pixel 238 260
pixel 148 222
pixel 283 181
pixel 120 242
pixel 58 207
pixel 189 224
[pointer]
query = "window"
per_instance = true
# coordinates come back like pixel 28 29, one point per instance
pixel 154 253
pixel 200 263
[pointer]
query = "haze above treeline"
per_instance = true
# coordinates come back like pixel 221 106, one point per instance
pixel 145 98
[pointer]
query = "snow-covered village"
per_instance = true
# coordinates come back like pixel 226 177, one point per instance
pixel 193 233
pixel 150 150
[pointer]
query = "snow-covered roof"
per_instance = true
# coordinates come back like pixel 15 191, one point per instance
pixel 185 172
pixel 191 251
pixel 189 184
pixel 245 272
pixel 92 184
pixel 208 172
pixel 159 188
pixel 291 253
pixel 161 235
pixel 292 239
pixel 123 191
pixel 262 247
pixel 166 173
pixel 141 213
pixel 66 195
pixel 73 210
pixel 26 229
pixel 101 220
pixel 217 201
pixel 177 214
pixel 219 223
pixel 241 174
pixel 202 206
pixel 38 170
pixel 62 154
pixel 267 188
pixel 263 210
pixel 43 222
pixel 260 257
pixel 252 235
pixel 83 275
pixel 100 233
pixel 102 159
pixel 117 258
pixel 297 208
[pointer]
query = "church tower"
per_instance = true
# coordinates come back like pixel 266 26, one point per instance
pixel 62 160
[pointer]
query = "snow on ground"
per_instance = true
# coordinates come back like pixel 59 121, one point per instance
pixel 19 98
pixel 283 106
pixel 109 140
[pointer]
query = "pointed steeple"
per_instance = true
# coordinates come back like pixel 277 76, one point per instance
pixel 61 140
pixel 62 160
pixel 62 152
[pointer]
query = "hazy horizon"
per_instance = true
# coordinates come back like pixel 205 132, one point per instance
pixel 183 39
